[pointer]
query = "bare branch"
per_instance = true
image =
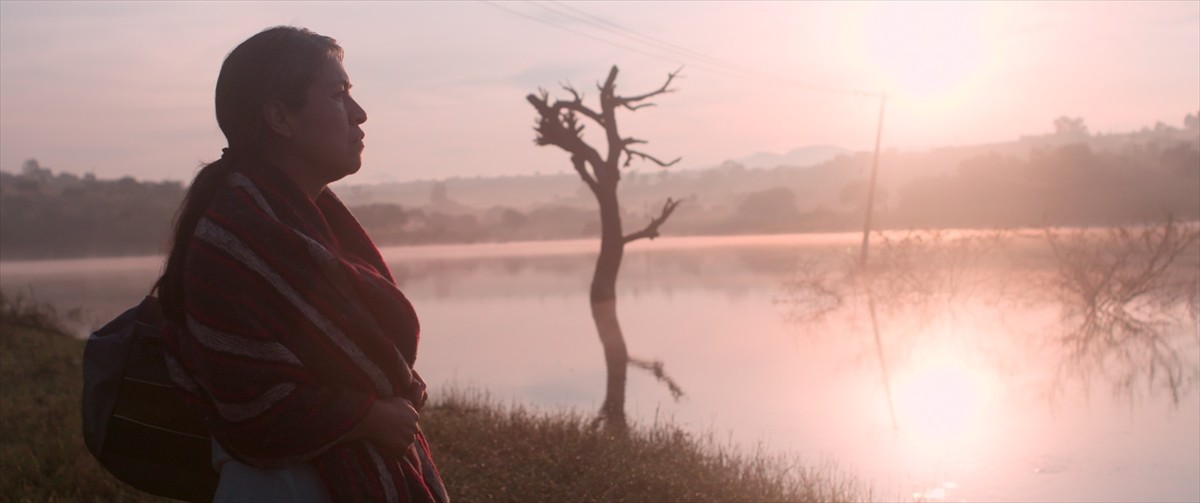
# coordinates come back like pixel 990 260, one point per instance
pixel 647 157
pixel 651 230
pixel 576 104
pixel 561 129
pixel 578 162
pixel 656 367
pixel 631 141
pixel 610 82
pixel 571 89
pixel 628 102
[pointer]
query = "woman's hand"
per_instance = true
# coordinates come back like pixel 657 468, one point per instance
pixel 391 423
pixel 417 393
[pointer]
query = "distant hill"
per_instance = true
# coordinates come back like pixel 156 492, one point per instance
pixel 798 157
pixel 525 191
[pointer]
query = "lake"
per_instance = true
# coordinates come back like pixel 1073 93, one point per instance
pixel 964 371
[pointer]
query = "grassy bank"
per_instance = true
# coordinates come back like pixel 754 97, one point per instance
pixel 486 452
pixel 42 456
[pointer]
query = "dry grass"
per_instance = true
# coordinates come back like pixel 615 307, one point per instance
pixel 489 452
pixel 42 456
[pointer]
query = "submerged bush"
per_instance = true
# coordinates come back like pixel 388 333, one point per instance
pixel 1124 293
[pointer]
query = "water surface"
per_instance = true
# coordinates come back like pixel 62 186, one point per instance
pixel 979 402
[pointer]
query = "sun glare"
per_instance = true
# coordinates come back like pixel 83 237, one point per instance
pixel 930 52
pixel 941 401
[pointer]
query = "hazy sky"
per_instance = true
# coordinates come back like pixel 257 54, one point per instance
pixel 127 88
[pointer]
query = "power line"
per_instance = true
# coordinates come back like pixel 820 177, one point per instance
pixel 677 49
pixel 677 54
pixel 605 41
pixel 618 30
pixel 577 32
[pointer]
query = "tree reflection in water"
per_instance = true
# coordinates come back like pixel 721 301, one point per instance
pixel 921 274
pixel 1127 298
pixel 1130 298
pixel 912 283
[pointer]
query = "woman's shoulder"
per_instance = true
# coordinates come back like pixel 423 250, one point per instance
pixel 261 204
pixel 239 199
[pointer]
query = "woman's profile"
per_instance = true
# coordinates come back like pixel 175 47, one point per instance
pixel 286 328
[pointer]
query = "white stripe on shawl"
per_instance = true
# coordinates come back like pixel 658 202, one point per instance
pixel 240 180
pixel 180 377
pixel 229 410
pixel 385 475
pixel 241 411
pixel 429 473
pixel 212 233
pixel 336 274
pixel 217 340
pixel 331 269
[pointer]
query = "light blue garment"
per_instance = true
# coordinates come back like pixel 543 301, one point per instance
pixel 244 483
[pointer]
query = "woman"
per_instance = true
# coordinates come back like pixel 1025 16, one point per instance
pixel 286 328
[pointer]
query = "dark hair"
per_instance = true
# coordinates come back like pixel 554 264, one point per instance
pixel 277 64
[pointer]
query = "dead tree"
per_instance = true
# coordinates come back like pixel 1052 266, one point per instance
pixel 559 125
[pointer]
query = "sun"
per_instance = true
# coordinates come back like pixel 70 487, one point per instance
pixel 925 51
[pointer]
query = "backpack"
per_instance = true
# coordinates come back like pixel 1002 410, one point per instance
pixel 134 421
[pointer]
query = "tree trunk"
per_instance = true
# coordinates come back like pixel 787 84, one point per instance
pixel 604 306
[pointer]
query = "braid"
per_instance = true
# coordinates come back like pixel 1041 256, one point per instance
pixel 199 196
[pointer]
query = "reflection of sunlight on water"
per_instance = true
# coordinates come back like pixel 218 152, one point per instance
pixel 941 402
pixel 936 493
pixel 946 420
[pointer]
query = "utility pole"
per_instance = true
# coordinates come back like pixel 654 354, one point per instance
pixel 866 241
pixel 862 263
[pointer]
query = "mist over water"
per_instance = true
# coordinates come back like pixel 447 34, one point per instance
pixel 773 343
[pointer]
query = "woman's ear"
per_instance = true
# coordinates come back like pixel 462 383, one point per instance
pixel 278 118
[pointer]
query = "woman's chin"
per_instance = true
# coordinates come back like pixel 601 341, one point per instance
pixel 353 167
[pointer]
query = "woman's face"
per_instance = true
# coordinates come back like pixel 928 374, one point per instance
pixel 326 136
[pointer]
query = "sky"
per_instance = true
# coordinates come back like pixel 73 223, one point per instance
pixel 117 88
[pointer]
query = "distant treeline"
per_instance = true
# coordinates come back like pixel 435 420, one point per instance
pixel 43 215
pixel 1069 185
pixel 1066 178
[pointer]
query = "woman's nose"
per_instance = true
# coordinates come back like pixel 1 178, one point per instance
pixel 357 115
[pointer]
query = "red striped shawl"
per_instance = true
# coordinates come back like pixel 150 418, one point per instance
pixel 294 327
